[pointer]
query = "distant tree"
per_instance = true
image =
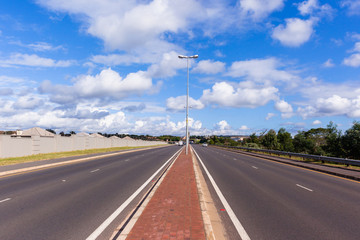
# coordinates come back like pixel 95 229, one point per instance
pixel 351 141
pixel 285 140
pixel 50 130
pixel 333 145
pixel 269 140
pixel 62 133
pixel 302 144
pixel 72 133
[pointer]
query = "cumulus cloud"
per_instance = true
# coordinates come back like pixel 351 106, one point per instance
pixel 312 7
pixel 259 9
pixel 28 102
pixel 33 60
pixel 179 103
pixel 285 108
pixel 270 71
pixel 106 84
pixel 209 67
pixel 295 33
pixel 127 25
pixel 167 66
pixel 332 106
pixel 227 95
pixel 354 59
pixel 316 122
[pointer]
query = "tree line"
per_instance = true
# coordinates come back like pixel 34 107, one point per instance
pixel 329 141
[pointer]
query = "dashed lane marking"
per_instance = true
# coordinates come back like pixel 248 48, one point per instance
pixel 255 167
pixel 95 170
pixel 310 190
pixel 5 200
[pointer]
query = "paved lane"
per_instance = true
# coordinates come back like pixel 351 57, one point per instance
pixel 277 201
pixel 70 202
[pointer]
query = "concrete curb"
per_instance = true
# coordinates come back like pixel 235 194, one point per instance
pixel 214 228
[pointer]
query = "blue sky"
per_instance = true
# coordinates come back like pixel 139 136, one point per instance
pixel 112 66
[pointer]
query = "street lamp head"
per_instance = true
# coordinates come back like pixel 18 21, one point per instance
pixel 194 56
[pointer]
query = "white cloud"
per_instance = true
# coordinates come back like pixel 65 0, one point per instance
pixel 179 103
pixel 116 59
pixel 28 102
pixel 167 66
pixel 209 67
pixel 270 71
pixel 244 128
pixel 307 7
pixel 38 46
pixel 227 95
pixel 354 59
pixel 285 108
pixel 352 5
pixel 329 63
pixel 332 106
pixel 128 25
pixel 33 60
pixel 269 116
pixel 312 7
pixel 106 84
pixel 259 9
pixel 295 33
pixel 316 122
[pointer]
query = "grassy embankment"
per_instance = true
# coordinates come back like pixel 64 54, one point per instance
pixel 47 156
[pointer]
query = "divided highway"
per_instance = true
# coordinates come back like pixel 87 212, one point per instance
pixel 277 201
pixel 71 201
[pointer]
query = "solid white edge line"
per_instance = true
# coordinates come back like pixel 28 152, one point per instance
pixel 4 200
pixel 117 212
pixel 240 229
pixel 310 190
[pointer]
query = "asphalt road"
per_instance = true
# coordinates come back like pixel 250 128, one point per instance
pixel 71 201
pixel 277 201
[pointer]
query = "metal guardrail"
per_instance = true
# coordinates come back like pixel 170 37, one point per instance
pixel 304 156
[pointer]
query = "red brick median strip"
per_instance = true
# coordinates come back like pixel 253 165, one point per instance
pixel 174 210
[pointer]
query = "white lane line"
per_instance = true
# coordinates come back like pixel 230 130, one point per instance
pixel 255 167
pixel 235 159
pixel 64 180
pixel 95 170
pixel 240 229
pixel 127 160
pixel 304 187
pixel 4 200
pixel 117 212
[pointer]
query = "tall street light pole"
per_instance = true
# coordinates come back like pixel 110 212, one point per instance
pixel 187 100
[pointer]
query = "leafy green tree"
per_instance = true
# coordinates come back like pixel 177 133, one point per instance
pixel 285 140
pixel 302 144
pixel 351 141
pixel 269 140
pixel 333 145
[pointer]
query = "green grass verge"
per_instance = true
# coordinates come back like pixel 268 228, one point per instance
pixel 47 156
